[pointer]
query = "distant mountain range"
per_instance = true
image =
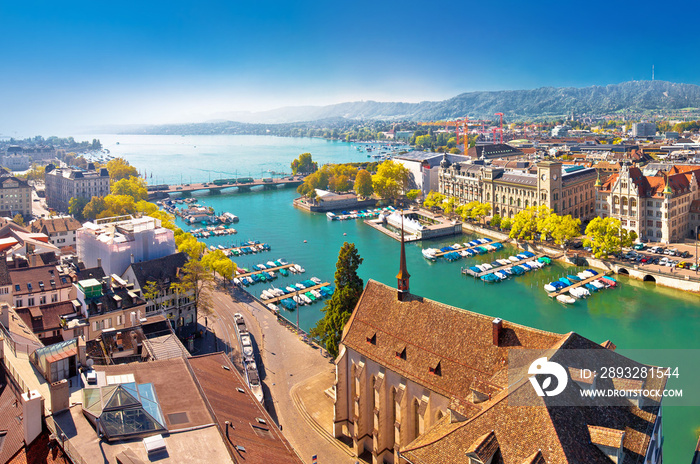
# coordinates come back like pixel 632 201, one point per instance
pixel 545 102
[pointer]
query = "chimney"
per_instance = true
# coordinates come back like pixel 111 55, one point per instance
pixel 133 318
pixel 5 316
pixel 132 258
pixel 60 396
pixel 99 262
pixel 497 326
pixel 33 414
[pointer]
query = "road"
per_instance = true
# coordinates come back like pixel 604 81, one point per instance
pixel 286 361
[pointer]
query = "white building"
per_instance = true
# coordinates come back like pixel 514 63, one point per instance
pixel 118 242
pixel 424 168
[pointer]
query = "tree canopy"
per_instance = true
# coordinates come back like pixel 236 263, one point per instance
pixel 119 168
pixel 391 180
pixel 606 236
pixel 348 288
pixel 363 183
pixel 195 277
pixel 134 187
pixel 304 164
pixel 218 262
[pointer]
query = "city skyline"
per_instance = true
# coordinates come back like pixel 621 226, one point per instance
pixel 88 64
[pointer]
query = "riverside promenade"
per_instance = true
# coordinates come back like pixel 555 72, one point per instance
pixel 297 377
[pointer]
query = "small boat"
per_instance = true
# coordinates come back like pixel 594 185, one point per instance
pixel 598 285
pixel 565 280
pixel 566 299
pixel 549 288
pixel 501 275
pixel 573 278
pixel 591 288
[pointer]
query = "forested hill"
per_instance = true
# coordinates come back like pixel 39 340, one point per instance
pixel 542 103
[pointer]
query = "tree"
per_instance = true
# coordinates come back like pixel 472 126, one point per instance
pixel 480 211
pixel 413 195
pixel 606 236
pixel 339 183
pixel 337 311
pixel 119 168
pixel 390 180
pixel 76 207
pixel 566 229
pixel 218 262
pixel 496 221
pixel 186 243
pixel 36 172
pixel 134 187
pixel 18 219
pixel 524 224
pixel 151 292
pixel 363 183
pixel 506 223
pixel 304 164
pixel 433 200
pixel 196 278
pixel 94 207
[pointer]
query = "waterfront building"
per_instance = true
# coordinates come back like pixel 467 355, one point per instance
pixel 567 189
pixel 424 168
pixel 179 309
pixel 62 184
pixel 118 242
pixel 61 230
pixel 421 381
pixel 658 208
pixel 15 195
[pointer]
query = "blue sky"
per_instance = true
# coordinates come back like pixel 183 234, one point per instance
pixel 69 65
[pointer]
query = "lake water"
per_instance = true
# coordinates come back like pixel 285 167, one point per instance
pixel 638 315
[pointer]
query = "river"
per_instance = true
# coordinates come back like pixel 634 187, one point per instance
pixel 638 315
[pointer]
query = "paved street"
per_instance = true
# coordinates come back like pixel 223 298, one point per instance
pixel 288 367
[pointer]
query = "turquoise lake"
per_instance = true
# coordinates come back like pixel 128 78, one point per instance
pixel 639 315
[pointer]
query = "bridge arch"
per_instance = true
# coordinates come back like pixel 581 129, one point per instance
pixel 623 271
pixel 649 278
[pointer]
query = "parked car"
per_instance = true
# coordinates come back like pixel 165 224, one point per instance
pixel 685 254
pixel 647 260
pixel 639 246
pixel 664 261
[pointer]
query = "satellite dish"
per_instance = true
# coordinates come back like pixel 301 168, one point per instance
pixel 89 363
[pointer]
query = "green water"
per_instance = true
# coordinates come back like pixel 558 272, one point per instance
pixel 637 315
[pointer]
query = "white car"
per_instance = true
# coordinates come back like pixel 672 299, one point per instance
pixel 664 261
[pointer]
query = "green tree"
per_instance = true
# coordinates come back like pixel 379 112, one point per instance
pixel 186 243
pixel 566 229
pixel 151 292
pixel 94 207
pixel 18 219
pixel 606 236
pixel 119 168
pixel 506 223
pixel 480 211
pixel 496 221
pixel 455 151
pixel 524 224
pixel 363 183
pixel 413 195
pixel 76 207
pixel 391 180
pixel 337 311
pixel 218 262
pixel 304 164
pixel 196 278
pixel 434 200
pixel 134 187
pixel 36 172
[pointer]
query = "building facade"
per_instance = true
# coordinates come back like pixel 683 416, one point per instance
pixel 566 189
pixel 15 195
pixel 62 184
pixel 658 208
pixel 60 230
pixel 643 129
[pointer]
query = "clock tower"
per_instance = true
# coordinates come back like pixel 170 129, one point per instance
pixel 549 185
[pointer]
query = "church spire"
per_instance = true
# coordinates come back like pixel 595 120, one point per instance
pixel 403 274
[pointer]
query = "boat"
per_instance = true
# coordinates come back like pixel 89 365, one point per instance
pixel 549 288
pixel 609 282
pixel 573 278
pixel 566 299
pixel 565 280
pixel 598 285
pixel 501 275
pixel 316 280
pixel 245 340
pixel 591 287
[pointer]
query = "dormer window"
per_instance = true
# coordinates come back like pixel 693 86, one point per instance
pixel 29 286
pixel 372 340
pixel 401 354
pixel 437 370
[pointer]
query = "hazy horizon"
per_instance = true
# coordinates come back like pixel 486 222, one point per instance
pixel 69 68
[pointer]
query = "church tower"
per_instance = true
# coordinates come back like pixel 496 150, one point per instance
pixel 403 274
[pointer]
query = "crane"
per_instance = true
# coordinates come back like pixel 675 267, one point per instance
pixel 464 123
pixel 501 129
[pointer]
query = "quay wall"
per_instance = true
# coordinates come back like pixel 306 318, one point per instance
pixel 678 282
pixel 324 207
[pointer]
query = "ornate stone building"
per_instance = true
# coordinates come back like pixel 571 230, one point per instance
pixel 566 189
pixel 658 208
pixel 418 381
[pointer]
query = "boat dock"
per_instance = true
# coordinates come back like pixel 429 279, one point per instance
pixel 233 250
pixel 478 275
pixel 458 250
pixel 248 274
pixel 289 295
pixel 578 284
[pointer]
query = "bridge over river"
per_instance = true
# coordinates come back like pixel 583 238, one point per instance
pixel 215 187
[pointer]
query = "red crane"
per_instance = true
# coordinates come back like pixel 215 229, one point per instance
pixel 501 129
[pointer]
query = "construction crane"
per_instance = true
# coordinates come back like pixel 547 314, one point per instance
pixel 464 123
pixel 501 128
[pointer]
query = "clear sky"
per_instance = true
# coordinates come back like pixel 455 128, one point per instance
pixel 70 65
